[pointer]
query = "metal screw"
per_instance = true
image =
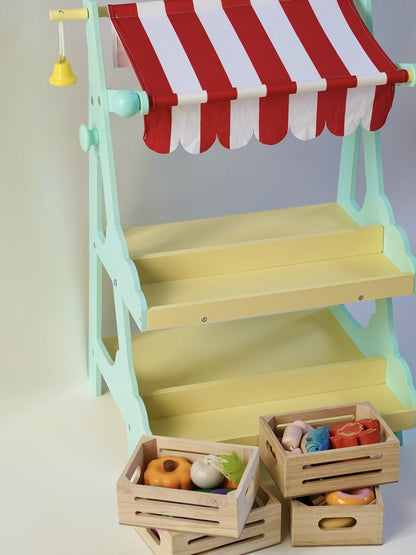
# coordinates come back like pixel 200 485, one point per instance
pixel 360 297
pixel 204 319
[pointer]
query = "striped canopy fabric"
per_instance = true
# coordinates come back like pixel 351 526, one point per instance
pixel 228 69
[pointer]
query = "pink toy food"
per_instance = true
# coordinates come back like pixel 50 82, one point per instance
pixel 292 437
pixel 303 425
pixel 359 496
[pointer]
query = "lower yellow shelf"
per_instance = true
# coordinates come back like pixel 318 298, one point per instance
pixel 213 382
pixel 240 424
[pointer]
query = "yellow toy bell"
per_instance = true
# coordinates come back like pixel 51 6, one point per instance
pixel 62 74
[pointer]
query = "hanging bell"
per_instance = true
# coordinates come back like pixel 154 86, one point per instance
pixel 62 74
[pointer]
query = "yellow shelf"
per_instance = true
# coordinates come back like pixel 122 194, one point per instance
pixel 240 424
pixel 268 262
pixel 214 381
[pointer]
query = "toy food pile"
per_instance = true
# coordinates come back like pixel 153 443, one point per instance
pixel 300 437
pixel 209 473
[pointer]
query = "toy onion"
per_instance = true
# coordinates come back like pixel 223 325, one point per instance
pixel 205 474
pixel 228 466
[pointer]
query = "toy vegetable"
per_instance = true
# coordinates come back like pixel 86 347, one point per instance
pixel 229 466
pixel 205 473
pixel 169 472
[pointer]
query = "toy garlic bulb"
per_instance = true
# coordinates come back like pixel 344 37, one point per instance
pixel 204 474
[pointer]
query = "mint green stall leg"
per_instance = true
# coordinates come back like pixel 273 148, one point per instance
pixel 379 337
pixel 95 274
pixel 399 436
pixel 108 252
pixel 123 384
pixel 376 207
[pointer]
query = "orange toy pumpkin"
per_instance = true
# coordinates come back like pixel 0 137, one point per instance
pixel 169 472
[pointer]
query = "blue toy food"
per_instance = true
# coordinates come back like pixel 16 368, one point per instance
pixel 316 440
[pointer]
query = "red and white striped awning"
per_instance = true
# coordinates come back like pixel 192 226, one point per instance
pixel 233 68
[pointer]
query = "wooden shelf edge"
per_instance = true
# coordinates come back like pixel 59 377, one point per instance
pixel 274 290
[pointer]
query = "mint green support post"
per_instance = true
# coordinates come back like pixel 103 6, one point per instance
pixel 376 208
pixel 108 250
pixel 378 338
pixel 366 11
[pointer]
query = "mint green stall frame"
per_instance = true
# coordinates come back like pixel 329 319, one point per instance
pixel 108 248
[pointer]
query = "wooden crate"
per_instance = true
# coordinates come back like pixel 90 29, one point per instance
pixel 307 523
pixel 184 510
pixel 262 529
pixel 345 468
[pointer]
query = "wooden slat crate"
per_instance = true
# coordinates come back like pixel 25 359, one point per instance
pixel 262 529
pixel 344 468
pixel 186 510
pixel 307 523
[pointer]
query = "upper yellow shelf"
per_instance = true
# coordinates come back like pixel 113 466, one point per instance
pixel 267 262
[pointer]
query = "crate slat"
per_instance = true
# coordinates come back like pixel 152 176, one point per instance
pixel 262 529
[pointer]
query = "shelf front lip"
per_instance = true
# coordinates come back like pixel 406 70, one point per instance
pixel 262 387
pixel 258 254
pixel 234 229
pixel 274 302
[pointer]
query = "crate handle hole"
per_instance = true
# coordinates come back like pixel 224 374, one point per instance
pixel 270 448
pixel 337 523
pixel 250 488
pixel 137 476
pixel 154 534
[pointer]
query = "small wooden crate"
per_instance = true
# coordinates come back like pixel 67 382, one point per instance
pixel 262 529
pixel 184 510
pixel 307 523
pixel 345 468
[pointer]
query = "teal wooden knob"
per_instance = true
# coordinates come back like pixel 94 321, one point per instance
pixel 126 103
pixel 87 137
